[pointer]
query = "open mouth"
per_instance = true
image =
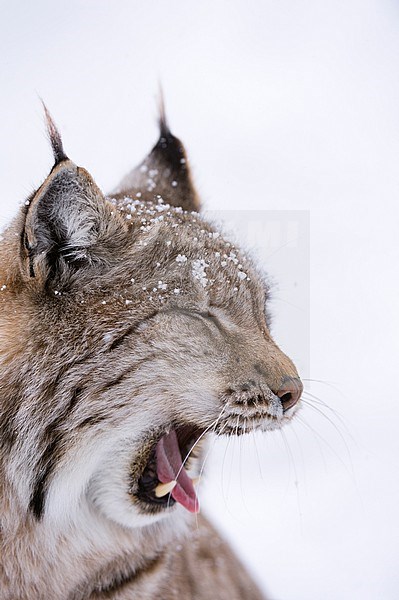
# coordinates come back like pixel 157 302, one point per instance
pixel 165 479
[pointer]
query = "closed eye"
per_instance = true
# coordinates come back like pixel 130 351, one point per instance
pixel 203 315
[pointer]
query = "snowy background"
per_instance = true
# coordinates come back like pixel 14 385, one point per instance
pixel 284 106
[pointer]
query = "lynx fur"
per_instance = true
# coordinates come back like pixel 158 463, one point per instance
pixel 125 320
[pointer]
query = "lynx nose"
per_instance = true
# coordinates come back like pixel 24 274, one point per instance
pixel 290 392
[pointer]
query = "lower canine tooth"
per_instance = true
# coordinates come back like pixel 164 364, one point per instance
pixel 164 488
pixel 196 480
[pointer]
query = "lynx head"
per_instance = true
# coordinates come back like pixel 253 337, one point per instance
pixel 130 328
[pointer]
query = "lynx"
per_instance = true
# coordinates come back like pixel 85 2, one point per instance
pixel 130 331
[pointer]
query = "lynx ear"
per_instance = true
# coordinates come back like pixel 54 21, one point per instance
pixel 68 225
pixel 164 173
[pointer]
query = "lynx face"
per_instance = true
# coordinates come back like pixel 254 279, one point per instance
pixel 130 329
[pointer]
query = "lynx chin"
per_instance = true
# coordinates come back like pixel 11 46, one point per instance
pixel 130 331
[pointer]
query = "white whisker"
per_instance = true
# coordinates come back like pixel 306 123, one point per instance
pixel 211 426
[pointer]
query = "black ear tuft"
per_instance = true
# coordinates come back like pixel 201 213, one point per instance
pixel 169 149
pixel 54 137
pixel 162 120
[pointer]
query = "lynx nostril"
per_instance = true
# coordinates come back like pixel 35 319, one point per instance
pixel 290 392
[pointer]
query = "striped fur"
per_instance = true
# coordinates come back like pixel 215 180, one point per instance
pixel 120 317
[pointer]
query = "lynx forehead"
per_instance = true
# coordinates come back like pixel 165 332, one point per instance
pixel 130 329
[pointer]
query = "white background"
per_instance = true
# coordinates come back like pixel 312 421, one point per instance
pixel 288 105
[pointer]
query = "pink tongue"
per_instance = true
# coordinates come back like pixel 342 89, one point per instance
pixel 170 467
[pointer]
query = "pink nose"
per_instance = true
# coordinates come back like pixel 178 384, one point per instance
pixel 290 392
